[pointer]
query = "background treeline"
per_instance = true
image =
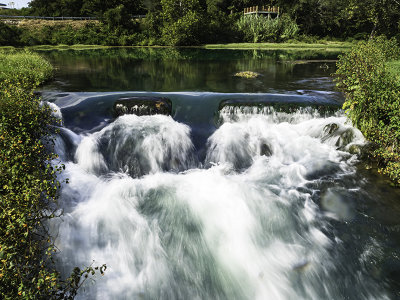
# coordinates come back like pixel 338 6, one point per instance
pixel 193 22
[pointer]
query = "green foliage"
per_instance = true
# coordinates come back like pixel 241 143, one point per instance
pixel 29 186
pixel 118 17
pixel 24 68
pixel 394 68
pixel 184 31
pixel 77 8
pixel 260 29
pixel 373 98
pixel 91 33
pixel 208 21
pixel 9 35
pixel 183 22
pixel 222 28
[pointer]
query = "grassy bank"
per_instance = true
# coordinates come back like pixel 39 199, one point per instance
pixel 24 68
pixel 29 185
pixel 368 76
pixel 67 47
pixel 328 46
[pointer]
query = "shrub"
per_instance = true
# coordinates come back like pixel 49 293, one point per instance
pixel 28 186
pixel 373 99
pixel 9 35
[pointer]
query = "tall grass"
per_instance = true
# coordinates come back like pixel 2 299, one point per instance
pixel 260 29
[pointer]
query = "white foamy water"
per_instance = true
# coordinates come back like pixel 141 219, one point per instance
pixel 138 145
pixel 246 227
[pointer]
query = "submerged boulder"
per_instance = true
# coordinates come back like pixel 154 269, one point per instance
pixel 142 106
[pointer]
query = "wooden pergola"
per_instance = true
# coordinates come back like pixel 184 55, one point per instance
pixel 267 11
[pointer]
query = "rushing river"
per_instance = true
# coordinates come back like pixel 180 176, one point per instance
pixel 209 203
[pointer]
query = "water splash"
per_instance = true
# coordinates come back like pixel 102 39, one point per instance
pixel 246 227
pixel 137 145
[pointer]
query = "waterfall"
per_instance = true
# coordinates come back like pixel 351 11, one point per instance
pixel 137 145
pixel 253 221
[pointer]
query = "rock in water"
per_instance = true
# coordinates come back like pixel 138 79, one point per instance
pixel 142 106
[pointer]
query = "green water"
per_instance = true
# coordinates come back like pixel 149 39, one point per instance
pixel 171 70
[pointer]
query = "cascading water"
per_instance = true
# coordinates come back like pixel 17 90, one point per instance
pixel 254 223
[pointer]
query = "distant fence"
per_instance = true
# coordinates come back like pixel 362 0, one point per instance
pixel 45 18
pixel 58 18
pixel 262 10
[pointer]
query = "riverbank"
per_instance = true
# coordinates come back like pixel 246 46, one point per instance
pixel 29 186
pixel 368 75
pixel 320 46
pixel 24 69
pixel 326 45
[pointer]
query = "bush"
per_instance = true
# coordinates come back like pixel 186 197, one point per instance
pixel 29 186
pixel 9 35
pixel 373 99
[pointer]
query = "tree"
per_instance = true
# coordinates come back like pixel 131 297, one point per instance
pixel 184 21
pixel 74 8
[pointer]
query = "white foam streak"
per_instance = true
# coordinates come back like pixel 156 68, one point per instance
pixel 88 156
